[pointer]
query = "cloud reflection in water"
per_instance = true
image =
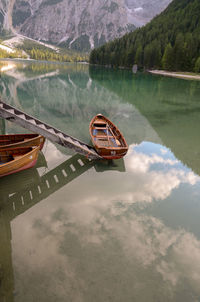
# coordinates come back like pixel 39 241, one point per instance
pixel 93 241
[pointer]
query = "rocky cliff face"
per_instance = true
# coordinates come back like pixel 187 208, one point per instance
pixel 79 24
pixel 142 11
pixel 4 12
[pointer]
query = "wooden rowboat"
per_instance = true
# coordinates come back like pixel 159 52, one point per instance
pixel 13 160
pixel 106 138
pixel 21 140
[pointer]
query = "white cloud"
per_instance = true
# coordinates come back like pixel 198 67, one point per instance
pixel 73 224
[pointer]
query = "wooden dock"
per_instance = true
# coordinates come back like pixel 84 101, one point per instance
pixel 29 122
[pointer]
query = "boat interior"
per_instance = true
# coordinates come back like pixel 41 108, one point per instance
pixel 12 154
pixel 105 135
pixel 10 139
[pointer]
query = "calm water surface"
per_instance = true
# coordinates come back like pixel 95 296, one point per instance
pixel 82 231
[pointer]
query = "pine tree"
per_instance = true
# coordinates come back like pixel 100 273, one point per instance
pixel 179 52
pixel 168 60
pixel 139 56
pixel 197 65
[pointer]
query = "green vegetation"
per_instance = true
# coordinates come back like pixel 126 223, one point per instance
pixel 38 51
pixel 81 43
pixel 4 34
pixel 197 65
pixel 170 41
pixel 48 55
pixel 41 52
pixel 16 54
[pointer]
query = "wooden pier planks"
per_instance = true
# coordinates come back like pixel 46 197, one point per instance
pixel 10 113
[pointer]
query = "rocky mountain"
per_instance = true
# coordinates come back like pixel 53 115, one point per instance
pixel 4 11
pixel 142 11
pixel 79 24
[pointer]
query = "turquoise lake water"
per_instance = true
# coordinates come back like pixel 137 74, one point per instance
pixel 83 231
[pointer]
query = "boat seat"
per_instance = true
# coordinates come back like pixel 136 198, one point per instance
pixel 103 136
pixel 17 156
pixel 100 128
pixel 105 131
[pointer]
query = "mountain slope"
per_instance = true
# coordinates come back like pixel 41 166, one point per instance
pixel 78 24
pixel 141 12
pixel 171 40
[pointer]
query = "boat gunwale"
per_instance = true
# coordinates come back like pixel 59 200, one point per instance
pixel 20 134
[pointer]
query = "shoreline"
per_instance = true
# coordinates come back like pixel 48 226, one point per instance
pixel 41 61
pixel 175 74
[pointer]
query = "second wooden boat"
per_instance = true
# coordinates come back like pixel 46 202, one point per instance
pixel 21 140
pixel 13 160
pixel 106 138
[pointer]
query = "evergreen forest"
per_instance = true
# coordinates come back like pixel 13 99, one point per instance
pixel 48 55
pixel 37 51
pixel 170 41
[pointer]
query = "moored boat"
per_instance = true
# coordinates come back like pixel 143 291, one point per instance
pixel 21 140
pixel 13 160
pixel 106 138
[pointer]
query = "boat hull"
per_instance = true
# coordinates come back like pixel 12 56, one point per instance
pixel 23 162
pixel 110 154
pixel 21 140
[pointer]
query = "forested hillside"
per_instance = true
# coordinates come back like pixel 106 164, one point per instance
pixel 170 41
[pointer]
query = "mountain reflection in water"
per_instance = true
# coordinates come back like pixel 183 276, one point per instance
pixel 128 233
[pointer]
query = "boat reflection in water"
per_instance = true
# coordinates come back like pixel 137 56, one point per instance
pixel 28 189
pixel 109 237
pixel 108 165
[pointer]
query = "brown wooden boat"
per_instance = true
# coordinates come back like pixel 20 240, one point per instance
pixel 106 138
pixel 21 140
pixel 13 160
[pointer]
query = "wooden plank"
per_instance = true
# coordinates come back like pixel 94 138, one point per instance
pixel 51 133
